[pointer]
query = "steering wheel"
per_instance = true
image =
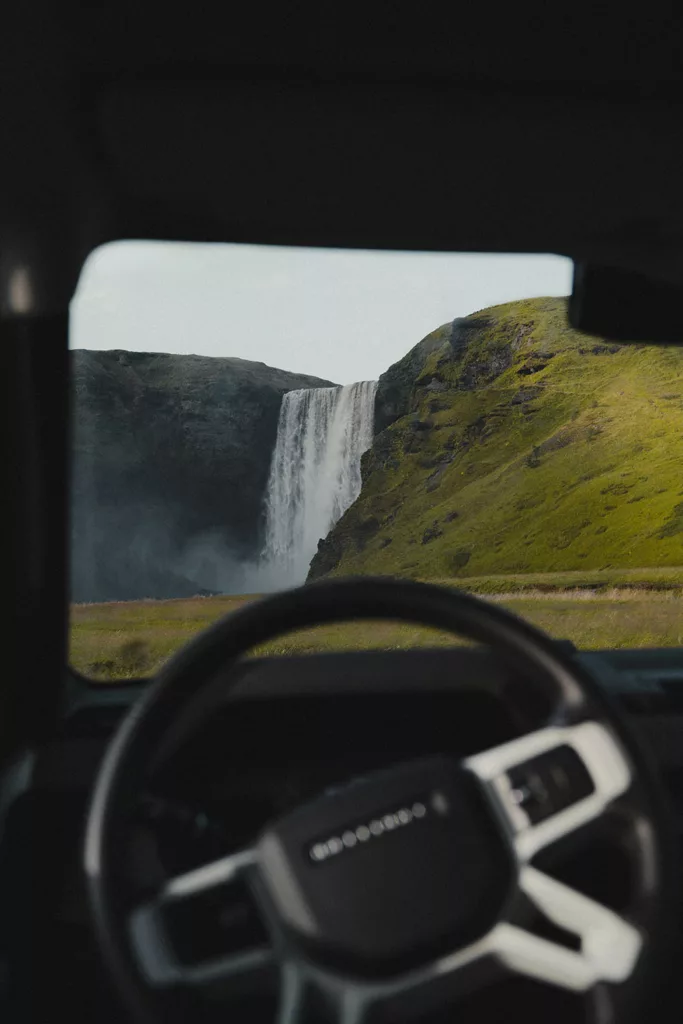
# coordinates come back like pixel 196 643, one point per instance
pixel 412 886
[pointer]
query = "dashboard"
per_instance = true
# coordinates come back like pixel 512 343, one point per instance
pixel 281 731
pixel 254 761
pixel 278 732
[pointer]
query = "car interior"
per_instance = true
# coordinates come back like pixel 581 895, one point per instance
pixel 473 832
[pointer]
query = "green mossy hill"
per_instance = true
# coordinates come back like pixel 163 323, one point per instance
pixel 510 443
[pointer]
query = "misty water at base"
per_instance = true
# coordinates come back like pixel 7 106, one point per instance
pixel 152 564
pixel 315 473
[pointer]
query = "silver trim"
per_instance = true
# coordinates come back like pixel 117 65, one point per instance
pixel 609 945
pixel 151 944
pixel 601 754
pixel 163 969
pixel 210 875
pixel 291 993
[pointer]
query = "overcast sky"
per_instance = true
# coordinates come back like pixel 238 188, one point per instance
pixel 339 314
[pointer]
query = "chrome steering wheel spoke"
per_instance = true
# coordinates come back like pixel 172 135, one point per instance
pixel 215 902
pixel 549 783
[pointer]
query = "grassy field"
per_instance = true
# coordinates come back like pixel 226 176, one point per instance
pixel 666 578
pixel 628 608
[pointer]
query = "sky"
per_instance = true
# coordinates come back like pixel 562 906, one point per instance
pixel 343 315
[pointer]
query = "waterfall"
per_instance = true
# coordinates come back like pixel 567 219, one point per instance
pixel 314 472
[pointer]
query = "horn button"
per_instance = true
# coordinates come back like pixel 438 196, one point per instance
pixel 391 871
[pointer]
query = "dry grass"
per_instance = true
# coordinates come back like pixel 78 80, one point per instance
pixel 122 640
pixel 619 594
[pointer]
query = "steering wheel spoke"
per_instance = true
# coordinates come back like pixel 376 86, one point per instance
pixel 608 949
pixel 406 996
pixel 551 782
pixel 609 944
pixel 204 930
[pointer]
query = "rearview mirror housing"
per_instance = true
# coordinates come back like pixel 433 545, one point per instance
pixel 625 306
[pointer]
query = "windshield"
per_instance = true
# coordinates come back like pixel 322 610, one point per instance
pixel 248 418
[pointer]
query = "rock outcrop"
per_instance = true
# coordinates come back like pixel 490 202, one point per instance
pixel 170 462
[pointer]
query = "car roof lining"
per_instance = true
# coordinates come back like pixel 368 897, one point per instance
pixel 535 134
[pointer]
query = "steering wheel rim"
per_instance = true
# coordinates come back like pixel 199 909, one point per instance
pixel 576 700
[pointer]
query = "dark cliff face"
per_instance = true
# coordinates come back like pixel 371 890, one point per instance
pixel 170 463
pixel 396 391
pixel 396 386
